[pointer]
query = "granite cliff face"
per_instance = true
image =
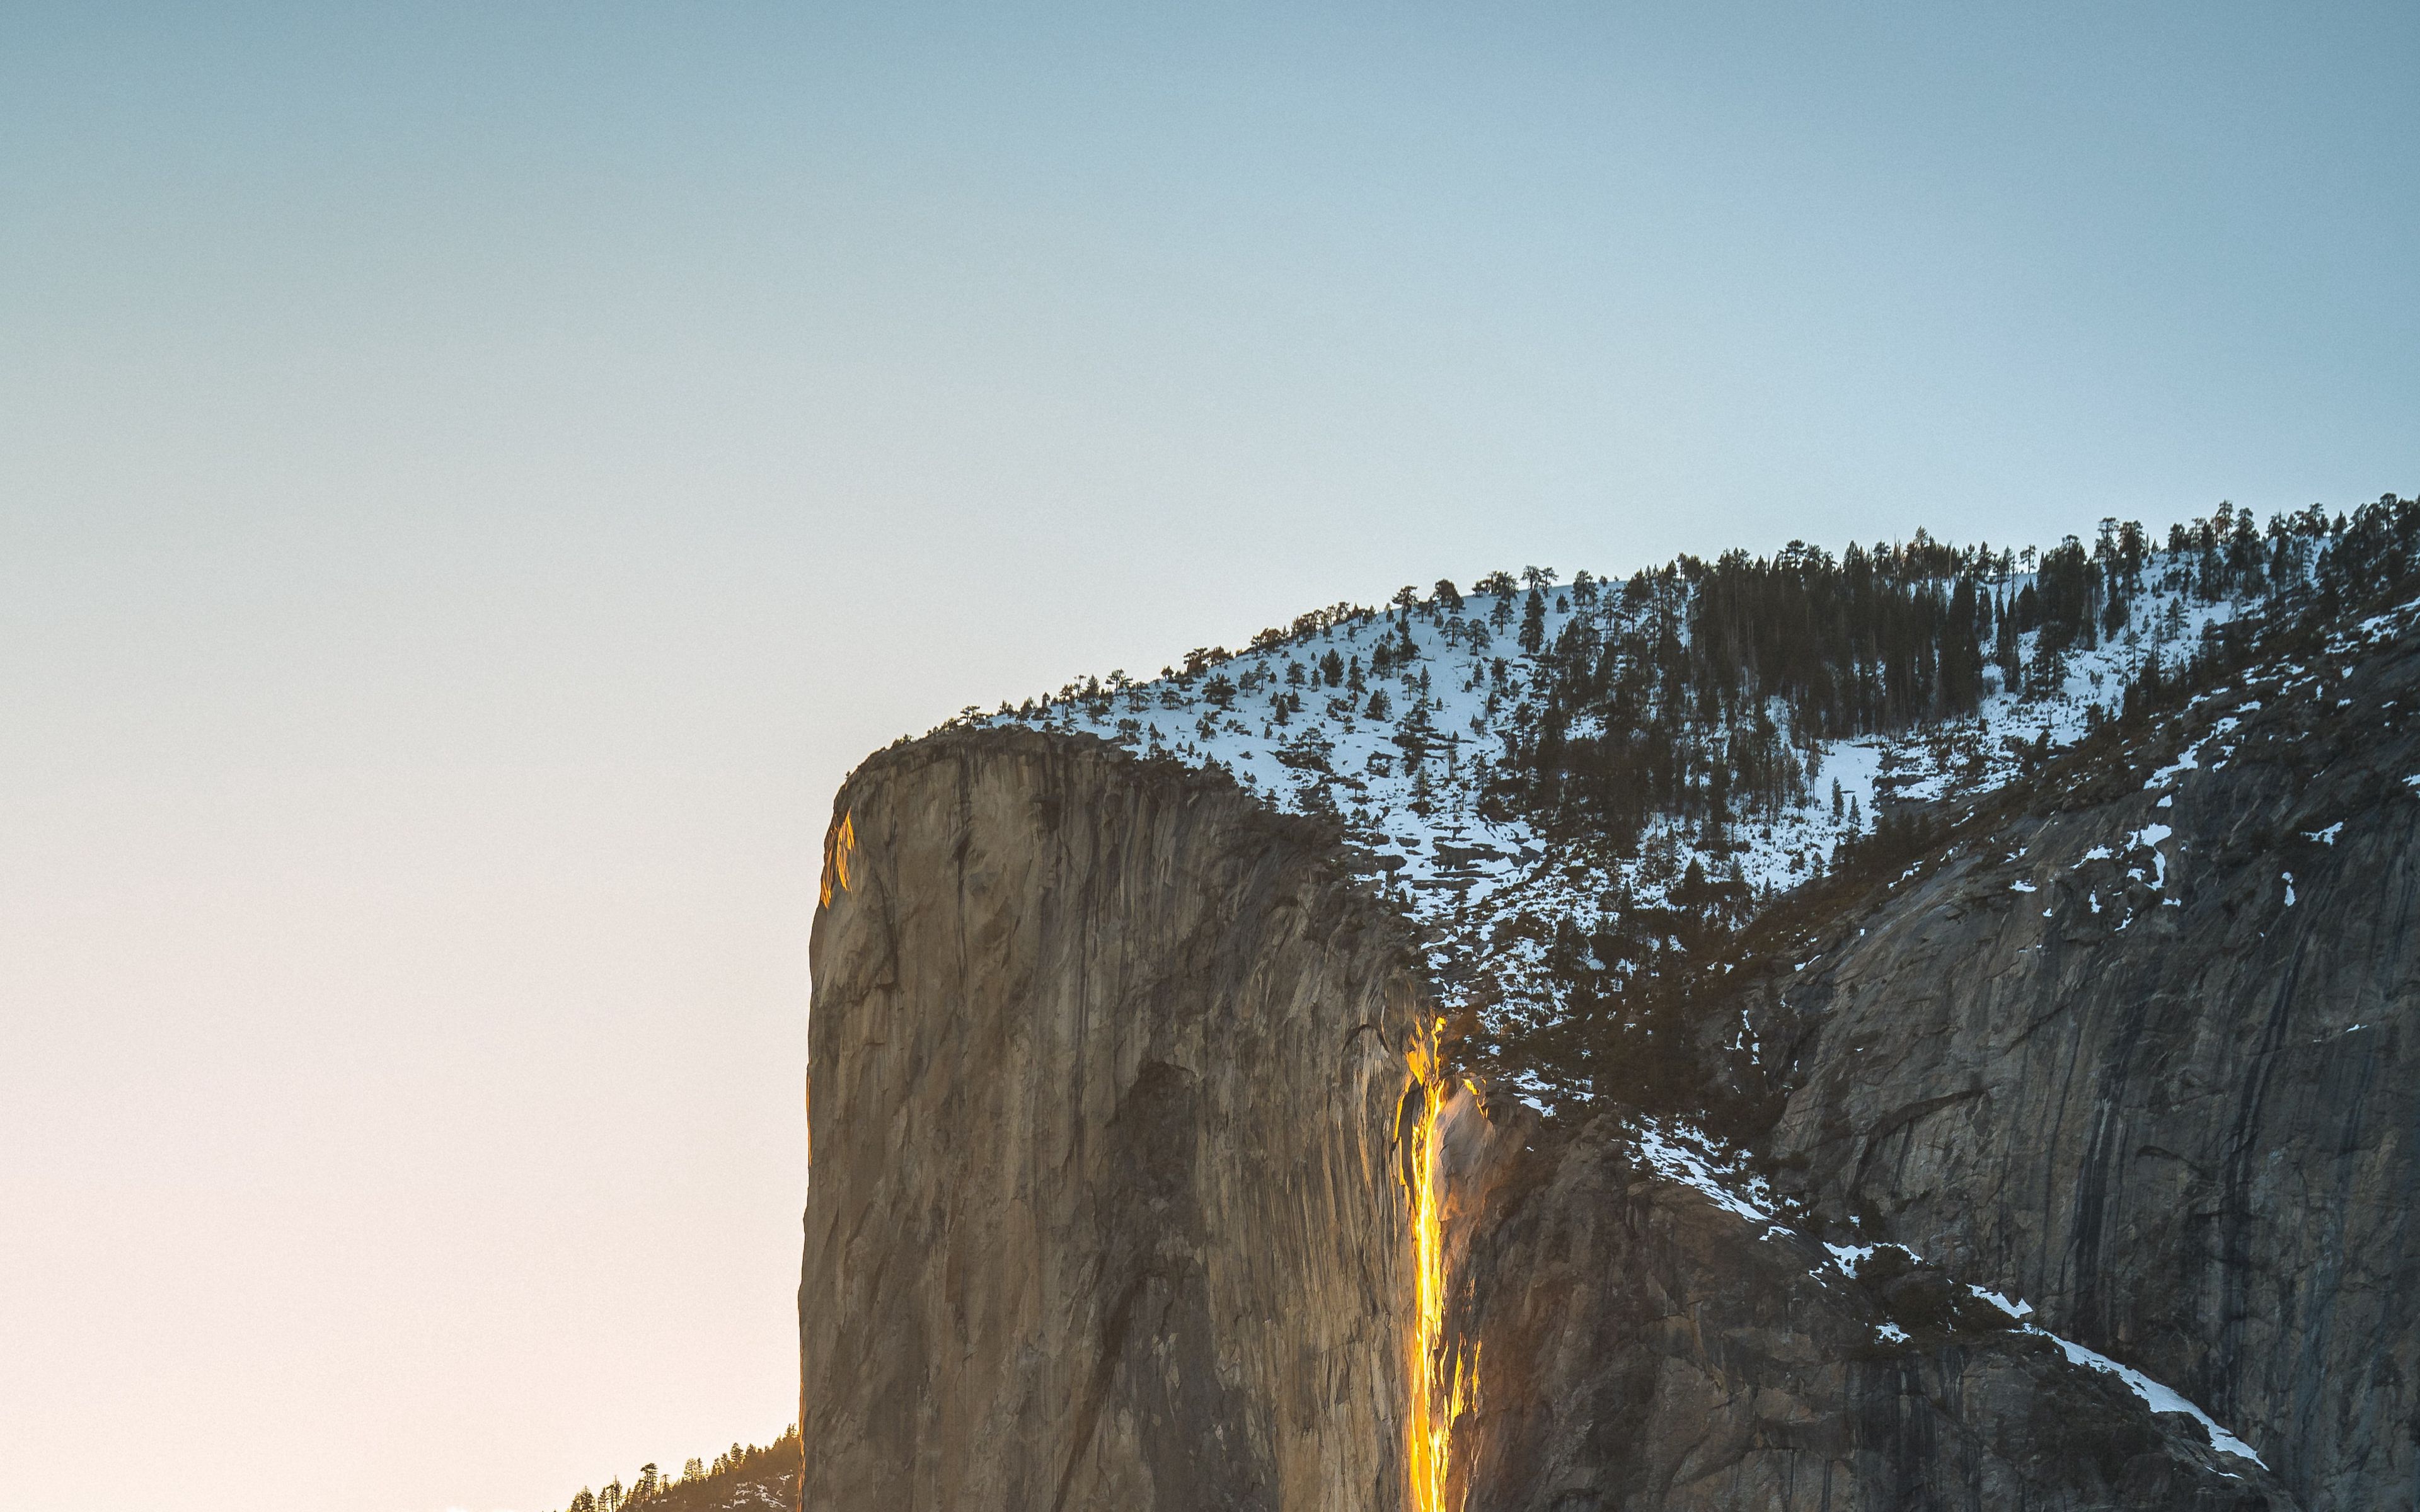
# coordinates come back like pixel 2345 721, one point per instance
pixel 2140 1053
pixel 1648 1347
pixel 1106 1069
pixel 1932 1032
pixel 1116 1090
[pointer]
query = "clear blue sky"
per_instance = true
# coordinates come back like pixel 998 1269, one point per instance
pixel 473 478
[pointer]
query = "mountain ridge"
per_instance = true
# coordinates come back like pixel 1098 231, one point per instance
pixel 1936 978
pixel 1461 790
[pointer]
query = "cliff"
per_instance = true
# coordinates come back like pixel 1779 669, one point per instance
pixel 1649 1345
pixel 1107 1064
pixel 2139 1051
pixel 1118 1093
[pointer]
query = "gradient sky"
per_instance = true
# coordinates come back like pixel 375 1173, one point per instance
pixel 473 478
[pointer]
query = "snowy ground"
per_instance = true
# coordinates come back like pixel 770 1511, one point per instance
pixel 1269 716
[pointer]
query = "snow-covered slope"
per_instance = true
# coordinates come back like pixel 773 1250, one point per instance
pixel 1410 723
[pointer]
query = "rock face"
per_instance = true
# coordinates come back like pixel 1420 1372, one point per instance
pixel 1106 1065
pixel 1111 1114
pixel 1648 1347
pixel 2145 1060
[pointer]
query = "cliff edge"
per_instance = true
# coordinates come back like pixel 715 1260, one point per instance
pixel 1106 1065
pixel 1137 1185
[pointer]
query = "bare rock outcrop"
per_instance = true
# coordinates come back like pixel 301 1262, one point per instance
pixel 1115 1106
pixel 2143 1057
pixel 1650 1348
pixel 1107 1063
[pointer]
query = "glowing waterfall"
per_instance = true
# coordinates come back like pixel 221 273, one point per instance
pixel 1442 1389
pixel 840 857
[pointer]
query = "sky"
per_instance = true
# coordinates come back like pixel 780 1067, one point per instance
pixel 474 479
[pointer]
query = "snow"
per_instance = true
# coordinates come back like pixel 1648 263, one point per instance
pixel 1890 1333
pixel 2184 763
pixel 2327 836
pixel 2149 837
pixel 2380 624
pixel 1467 876
pixel 1680 1153
pixel 2289 889
pixel 2014 1309
pixel 2158 1397
pixel 1530 1090
pixel 2022 886
pixel 1849 1257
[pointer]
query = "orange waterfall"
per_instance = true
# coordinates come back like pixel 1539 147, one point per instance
pixel 1442 1388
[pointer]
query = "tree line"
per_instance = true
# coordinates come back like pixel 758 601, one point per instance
pixel 699 1484
pixel 1700 689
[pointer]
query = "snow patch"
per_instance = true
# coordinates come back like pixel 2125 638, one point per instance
pixel 2014 1309
pixel 1668 1152
pixel 2184 763
pixel 1850 1256
pixel 2150 838
pixel 2158 1397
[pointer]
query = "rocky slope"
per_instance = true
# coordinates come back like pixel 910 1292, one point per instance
pixel 1651 1347
pixel 2138 1053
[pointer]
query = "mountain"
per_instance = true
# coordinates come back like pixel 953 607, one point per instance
pixel 1920 1027
pixel 1583 790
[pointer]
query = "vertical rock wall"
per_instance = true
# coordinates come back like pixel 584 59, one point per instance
pixel 2170 1098
pixel 1110 1114
pixel 1106 1066
pixel 1652 1351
